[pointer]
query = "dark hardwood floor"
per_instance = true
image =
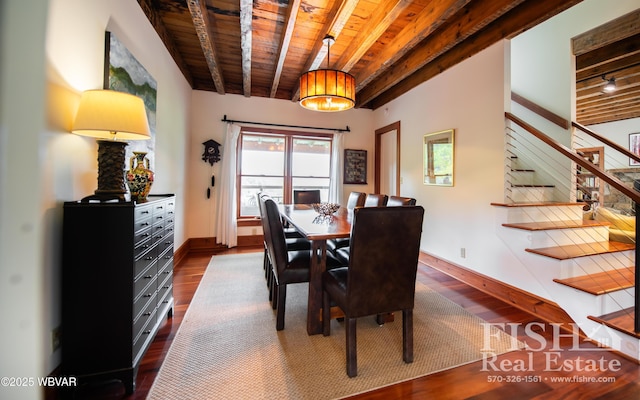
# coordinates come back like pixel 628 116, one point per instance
pixel 566 370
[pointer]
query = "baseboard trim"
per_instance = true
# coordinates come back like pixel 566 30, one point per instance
pixel 542 308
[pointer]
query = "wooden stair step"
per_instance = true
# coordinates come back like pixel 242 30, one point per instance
pixel 532 186
pixel 620 320
pixel 550 225
pixel 602 282
pixel 567 252
pixel 537 204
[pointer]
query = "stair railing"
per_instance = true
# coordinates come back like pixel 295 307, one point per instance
pixel 610 179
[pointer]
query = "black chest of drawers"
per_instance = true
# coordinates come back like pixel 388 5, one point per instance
pixel 117 285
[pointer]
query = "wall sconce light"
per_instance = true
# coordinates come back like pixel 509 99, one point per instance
pixel 610 86
pixel 113 117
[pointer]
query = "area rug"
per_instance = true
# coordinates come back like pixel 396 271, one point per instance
pixel 227 346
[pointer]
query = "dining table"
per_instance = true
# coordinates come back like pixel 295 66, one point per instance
pixel 318 229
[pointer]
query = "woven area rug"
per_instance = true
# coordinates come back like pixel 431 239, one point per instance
pixel 227 346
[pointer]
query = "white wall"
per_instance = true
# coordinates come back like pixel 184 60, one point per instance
pixel 542 63
pixel 617 132
pixel 208 109
pixel 461 216
pixel 22 125
pixel 52 51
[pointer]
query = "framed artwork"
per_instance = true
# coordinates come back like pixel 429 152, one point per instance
pixel 123 72
pixel 438 158
pixel 355 167
pixel 634 147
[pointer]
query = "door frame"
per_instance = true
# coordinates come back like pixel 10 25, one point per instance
pixel 379 132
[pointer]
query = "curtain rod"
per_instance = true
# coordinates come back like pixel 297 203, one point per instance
pixel 286 126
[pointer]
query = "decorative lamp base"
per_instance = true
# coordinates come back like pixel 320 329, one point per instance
pixel 111 156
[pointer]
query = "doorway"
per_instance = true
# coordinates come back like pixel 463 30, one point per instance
pixel 387 160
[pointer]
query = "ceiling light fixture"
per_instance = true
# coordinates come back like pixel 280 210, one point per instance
pixel 327 89
pixel 610 86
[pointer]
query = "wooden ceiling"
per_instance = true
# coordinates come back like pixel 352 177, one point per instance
pixel 261 47
pixel 608 51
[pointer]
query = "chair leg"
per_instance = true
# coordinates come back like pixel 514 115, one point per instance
pixel 326 314
pixel 407 335
pixel 273 291
pixel 352 349
pixel 282 294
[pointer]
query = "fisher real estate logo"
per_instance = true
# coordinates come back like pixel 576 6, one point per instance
pixel 543 352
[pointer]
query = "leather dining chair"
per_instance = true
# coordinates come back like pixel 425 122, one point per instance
pixel 355 199
pixel 292 243
pixel 381 275
pixel 306 196
pixel 288 266
pixel 376 200
pixel 398 201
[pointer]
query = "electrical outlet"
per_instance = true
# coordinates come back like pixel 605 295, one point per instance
pixel 55 339
pixel 463 252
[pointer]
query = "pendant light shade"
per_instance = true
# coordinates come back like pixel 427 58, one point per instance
pixel 327 89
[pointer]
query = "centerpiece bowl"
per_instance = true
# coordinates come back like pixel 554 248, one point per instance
pixel 326 208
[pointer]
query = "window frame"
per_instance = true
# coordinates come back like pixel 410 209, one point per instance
pixel 289 137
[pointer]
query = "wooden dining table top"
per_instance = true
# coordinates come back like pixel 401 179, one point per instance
pixel 315 226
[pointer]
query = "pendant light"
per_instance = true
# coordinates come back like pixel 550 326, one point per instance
pixel 327 89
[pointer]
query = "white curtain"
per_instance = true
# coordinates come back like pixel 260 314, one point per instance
pixel 335 187
pixel 226 220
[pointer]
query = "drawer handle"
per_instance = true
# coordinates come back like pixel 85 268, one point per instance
pixel 146 234
pixel 159 217
pixel 168 242
pixel 148 277
pixel 147 314
pixel 145 224
pixel 146 246
pixel 170 212
pixel 148 258
pixel 146 332
pixel 159 207
pixel 168 257
pixel 158 237
pixel 165 301
pixel 166 287
pixel 145 212
pixel 148 295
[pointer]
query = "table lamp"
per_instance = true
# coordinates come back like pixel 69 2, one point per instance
pixel 113 117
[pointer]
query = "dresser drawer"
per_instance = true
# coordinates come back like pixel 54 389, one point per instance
pixel 146 285
pixel 148 307
pixel 143 247
pixel 142 217
pixel 143 334
pixel 143 263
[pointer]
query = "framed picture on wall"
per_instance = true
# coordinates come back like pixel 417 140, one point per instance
pixel 438 158
pixel 355 167
pixel 634 147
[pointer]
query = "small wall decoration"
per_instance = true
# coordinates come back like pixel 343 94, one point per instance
pixel 355 167
pixel 438 158
pixel 634 147
pixel 211 151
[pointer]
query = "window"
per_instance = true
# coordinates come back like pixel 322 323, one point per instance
pixel 279 162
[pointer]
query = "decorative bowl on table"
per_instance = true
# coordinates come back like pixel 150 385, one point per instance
pixel 325 208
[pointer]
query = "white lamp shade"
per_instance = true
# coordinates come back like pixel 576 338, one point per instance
pixel 108 114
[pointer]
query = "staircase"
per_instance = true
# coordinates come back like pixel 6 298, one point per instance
pixel 589 276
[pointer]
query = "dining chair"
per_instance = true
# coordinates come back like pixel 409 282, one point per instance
pixel 376 200
pixel 306 196
pixel 355 199
pixel 292 243
pixel 381 274
pixel 398 201
pixel 289 266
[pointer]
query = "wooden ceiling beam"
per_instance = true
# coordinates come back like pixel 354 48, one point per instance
pixel 203 25
pixel 516 21
pixel 379 22
pixel 246 16
pixel 606 34
pixel 467 21
pixel 430 19
pixel 156 21
pixel 619 64
pixel 285 41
